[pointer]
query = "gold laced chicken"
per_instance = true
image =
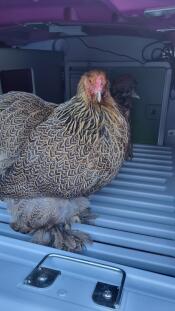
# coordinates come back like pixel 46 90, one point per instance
pixel 52 157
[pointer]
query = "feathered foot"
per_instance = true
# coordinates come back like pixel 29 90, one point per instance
pixel 31 214
pixel 82 217
pixel 50 219
pixel 61 237
pixel 75 241
pixel 20 227
pixel 83 214
pixel 19 217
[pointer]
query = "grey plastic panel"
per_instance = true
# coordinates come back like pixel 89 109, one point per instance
pixel 142 290
pixel 135 223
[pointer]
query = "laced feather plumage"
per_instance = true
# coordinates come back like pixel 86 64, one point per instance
pixel 74 151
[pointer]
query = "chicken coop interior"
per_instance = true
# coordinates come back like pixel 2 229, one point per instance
pixel 134 224
pixel 134 202
pixel 31 67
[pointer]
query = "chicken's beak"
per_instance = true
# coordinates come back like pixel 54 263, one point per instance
pixel 98 94
pixel 135 95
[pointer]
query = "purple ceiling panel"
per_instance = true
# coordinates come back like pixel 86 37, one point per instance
pixel 134 5
pixel 18 18
pixel 17 11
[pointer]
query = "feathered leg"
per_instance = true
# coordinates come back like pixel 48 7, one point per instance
pixel 50 219
pixel 83 213
pixel 61 237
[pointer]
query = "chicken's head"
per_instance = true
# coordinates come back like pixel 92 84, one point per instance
pixel 124 87
pixel 93 86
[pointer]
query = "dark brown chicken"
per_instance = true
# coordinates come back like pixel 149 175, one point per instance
pixel 124 91
pixel 66 153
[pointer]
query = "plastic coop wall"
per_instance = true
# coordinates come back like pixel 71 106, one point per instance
pixel 47 70
pixel 151 82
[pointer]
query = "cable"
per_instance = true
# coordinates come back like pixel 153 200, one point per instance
pixel 155 56
pixel 146 46
pixel 131 58
pixel 110 52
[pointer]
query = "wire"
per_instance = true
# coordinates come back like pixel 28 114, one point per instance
pixel 53 45
pixel 110 52
pixel 131 58
pixel 154 53
pixel 147 46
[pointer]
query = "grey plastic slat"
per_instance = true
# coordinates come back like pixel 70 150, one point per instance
pixel 122 200
pixel 141 178
pixel 3 204
pixel 146 171
pixel 156 151
pixel 156 160
pixel 113 237
pixel 152 147
pixel 137 193
pixel 165 162
pixel 4 216
pixel 112 218
pixel 132 184
pixel 5 230
pixel 133 213
pixel 136 226
pixel 162 168
pixel 132 258
pixel 124 212
pixel 129 240
pixel 115 254
pixel 141 154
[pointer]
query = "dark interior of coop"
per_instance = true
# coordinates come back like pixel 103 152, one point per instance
pixel 51 69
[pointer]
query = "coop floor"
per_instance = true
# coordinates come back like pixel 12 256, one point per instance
pixel 135 224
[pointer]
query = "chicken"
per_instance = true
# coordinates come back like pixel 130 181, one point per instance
pixel 52 163
pixel 124 91
pixel 20 113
